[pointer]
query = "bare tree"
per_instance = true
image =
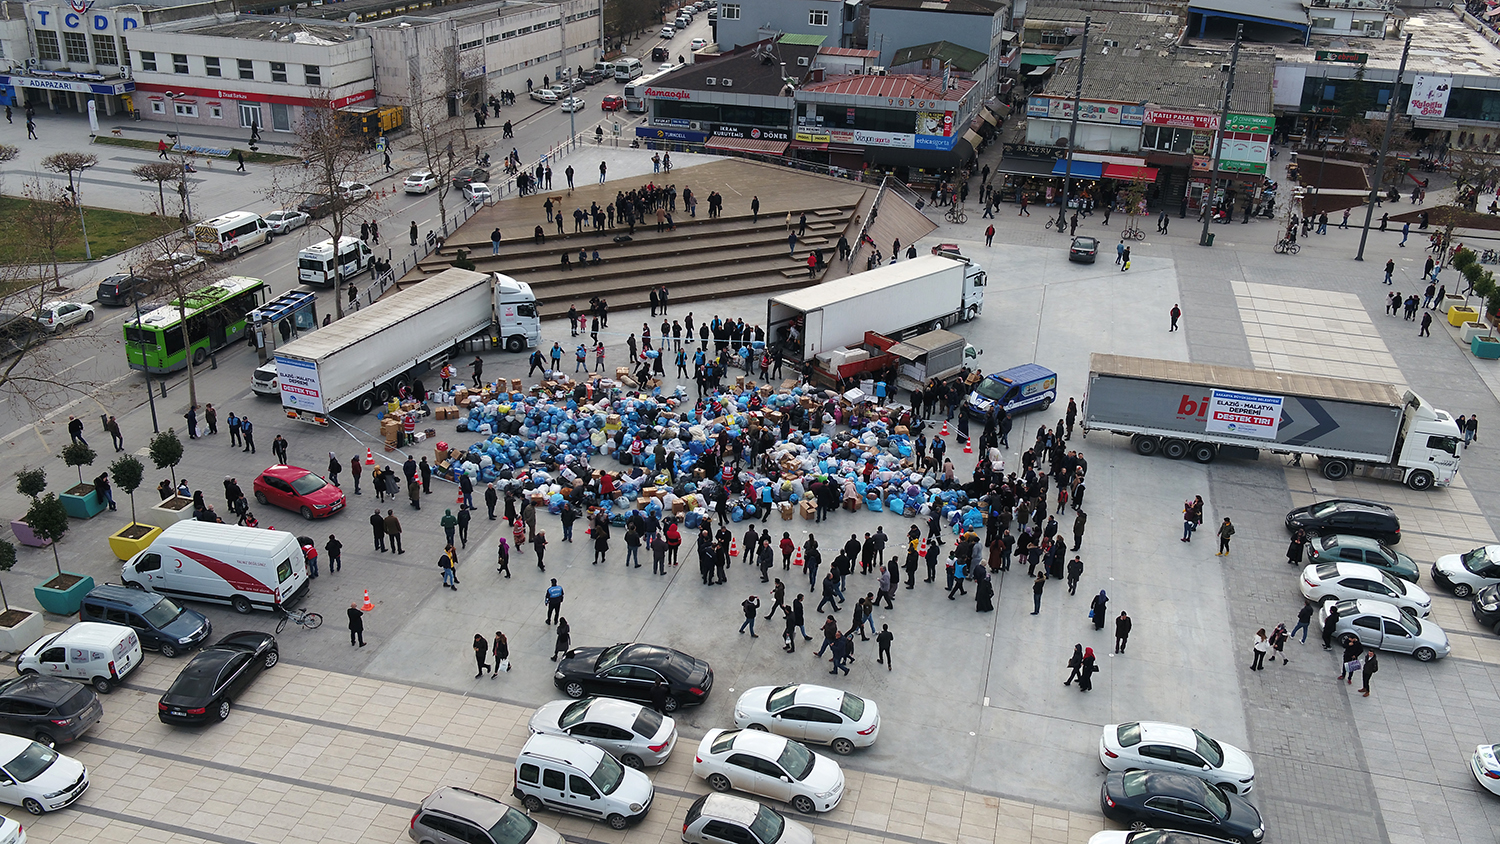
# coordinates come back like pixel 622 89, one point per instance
pixel 70 163
pixel 49 223
pixel 178 281
pixel 159 172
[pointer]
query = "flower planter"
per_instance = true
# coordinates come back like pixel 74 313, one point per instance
pixel 25 536
pixel 1451 301
pixel 1469 330
pixel 132 539
pixel 1485 347
pixel 23 628
pixel 1461 314
pixel 169 511
pixel 82 502
pixel 63 594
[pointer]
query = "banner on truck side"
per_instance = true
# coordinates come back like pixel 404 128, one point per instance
pixel 1244 414
pixel 300 389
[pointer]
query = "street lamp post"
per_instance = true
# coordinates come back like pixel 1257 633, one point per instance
pixel 78 200
pixel 187 200
pixel 134 297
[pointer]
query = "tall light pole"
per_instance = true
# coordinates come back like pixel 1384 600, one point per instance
pixel 187 200
pixel 1213 174
pixel 1062 205
pixel 1385 145
pixel 78 200
pixel 135 297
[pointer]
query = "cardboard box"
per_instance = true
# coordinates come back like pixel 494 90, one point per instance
pixel 650 492
pixel 739 381
pixel 902 430
pixel 640 503
pixel 679 507
pixel 621 372
pixel 612 422
pixel 515 385
pixel 461 398
pixel 786 510
pixel 809 510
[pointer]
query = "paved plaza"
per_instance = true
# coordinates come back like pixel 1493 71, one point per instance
pixel 981 741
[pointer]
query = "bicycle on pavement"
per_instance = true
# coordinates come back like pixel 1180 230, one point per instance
pixel 955 214
pixel 1132 233
pixel 300 617
pixel 1287 247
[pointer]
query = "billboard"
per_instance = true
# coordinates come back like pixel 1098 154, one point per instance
pixel 1245 414
pixel 300 388
pixel 1429 96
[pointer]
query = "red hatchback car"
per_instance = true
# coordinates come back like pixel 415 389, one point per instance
pixel 613 102
pixel 296 489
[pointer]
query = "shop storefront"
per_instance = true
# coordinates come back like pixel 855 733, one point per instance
pixel 64 91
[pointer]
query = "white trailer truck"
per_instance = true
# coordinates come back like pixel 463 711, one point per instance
pixel 899 300
pixel 1353 427
pixel 364 358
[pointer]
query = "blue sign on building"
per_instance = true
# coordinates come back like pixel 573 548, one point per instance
pixel 659 133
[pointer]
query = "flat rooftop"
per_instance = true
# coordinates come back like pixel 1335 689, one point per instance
pixel 1440 43
pixel 256 28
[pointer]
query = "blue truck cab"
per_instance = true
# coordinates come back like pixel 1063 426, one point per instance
pixel 1021 388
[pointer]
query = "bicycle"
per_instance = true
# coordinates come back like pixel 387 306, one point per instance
pixel 301 617
pixel 1287 247
pixel 955 214
pixel 1132 233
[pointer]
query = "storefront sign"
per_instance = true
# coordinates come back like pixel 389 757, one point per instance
pixel 668 94
pixel 241 96
pixel 658 133
pixel 863 137
pixel 1429 96
pixel 936 142
pixel 670 121
pixel 79 19
pixel 1089 111
pixel 1247 143
pixel 106 89
pixel 811 136
pixel 1037 151
pixel 752 132
pixel 1181 119
pixel 1256 123
pixel 1340 56
pixel 935 123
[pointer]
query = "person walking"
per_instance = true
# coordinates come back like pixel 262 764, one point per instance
pixel 1304 618
pixel 840 654
pixel 1390 270
pixel 564 632
pixel 1125 260
pixel 1075 665
pixel 1036 592
pixel 883 641
pixel 1426 325
pixel 1079 522
pixel 1097 608
pixel 553 597
pixel 445 563
pixel 393 531
pixel 1086 671
pixel 751 607
pixel 1226 531
pixel 1349 662
pixel 501 652
pixel 1259 647
pixel 278 448
pixel 356 625
pixel 1176 314
pixel 1370 666
pixel 481 650
pixel 355 470
pixel 1278 644
pixel 830 631
pixel 1075 571
pixel 335 550
pixel 463 525
pixel 989 236
pixel 1123 624
pixel 502 560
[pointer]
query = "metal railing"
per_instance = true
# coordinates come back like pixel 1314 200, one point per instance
pixel 864 227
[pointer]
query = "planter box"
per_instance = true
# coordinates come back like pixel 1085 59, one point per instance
pixel 1459 315
pixel 15 638
pixel 1451 301
pixel 65 600
pixel 1469 330
pixel 25 536
pixel 126 544
pixel 170 511
pixel 1485 347
pixel 83 502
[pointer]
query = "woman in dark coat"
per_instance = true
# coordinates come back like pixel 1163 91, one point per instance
pixel 1076 664
pixel 1086 671
pixel 985 593
pixel 1098 608
pixel 601 544
pixel 510 506
pixel 1294 548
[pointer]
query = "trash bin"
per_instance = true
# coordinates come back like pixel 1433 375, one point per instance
pixel 1210 239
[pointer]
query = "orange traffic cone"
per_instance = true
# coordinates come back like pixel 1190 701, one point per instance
pixel 734 547
pixel 369 457
pixel 367 605
pixel 922 552
pixel 968 449
pixel 797 561
pixel 945 429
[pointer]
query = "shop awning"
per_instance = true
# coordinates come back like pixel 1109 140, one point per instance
pixel 846 149
pixel 988 117
pixel 1024 166
pixel 1081 169
pixel 1040 71
pixel 746 145
pixel 1128 172
pixel 810 145
pixel 973 138
pixel 1038 58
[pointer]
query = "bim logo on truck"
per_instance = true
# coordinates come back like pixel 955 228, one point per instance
pixel 1231 412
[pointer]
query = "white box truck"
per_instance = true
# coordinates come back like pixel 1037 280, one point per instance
pixel 227 564
pixel 364 358
pixel 315 263
pixel 1179 409
pixel 898 300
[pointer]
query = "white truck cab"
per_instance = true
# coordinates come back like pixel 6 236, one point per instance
pixel 1430 441
pixel 517 323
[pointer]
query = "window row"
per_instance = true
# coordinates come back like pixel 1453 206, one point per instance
pixel 75 45
pixel 212 66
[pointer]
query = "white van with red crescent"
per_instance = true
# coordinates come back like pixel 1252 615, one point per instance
pixel 247 568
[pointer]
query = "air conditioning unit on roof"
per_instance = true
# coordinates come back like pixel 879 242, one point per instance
pixel 712 80
pixel 726 82
pixel 802 61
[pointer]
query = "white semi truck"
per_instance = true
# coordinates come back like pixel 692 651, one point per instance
pixel 898 301
pixel 1181 409
pixel 366 357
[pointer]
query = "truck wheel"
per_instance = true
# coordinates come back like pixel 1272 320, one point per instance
pixel 241 604
pixel 383 393
pixel 1145 445
pixel 364 404
pixel 1420 480
pixel 1204 452
pixel 971 314
pixel 1174 449
pixel 515 343
pixel 1335 470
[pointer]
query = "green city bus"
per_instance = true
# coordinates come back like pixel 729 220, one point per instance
pixel 215 318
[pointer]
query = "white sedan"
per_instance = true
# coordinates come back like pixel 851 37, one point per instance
pixel 771 766
pixel 477 192
pixel 283 221
pixel 636 735
pixel 571 104
pixel 420 181
pixel 814 714
pixel 698 43
pixel 1485 763
pixel 1350 581
pixel 668 31
pixel 38 778
pixel 1148 836
pixel 544 95
pixel 354 190
pixel 1158 746
pixel 1376 624
pixel 55 316
pixel 1470 572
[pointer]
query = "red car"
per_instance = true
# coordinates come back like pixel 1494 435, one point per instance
pixel 613 102
pixel 296 489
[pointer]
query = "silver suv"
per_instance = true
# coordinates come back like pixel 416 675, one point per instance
pixel 460 816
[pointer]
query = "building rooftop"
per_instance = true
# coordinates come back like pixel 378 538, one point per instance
pixel 371 10
pixel 1153 73
pixel 961 57
pixel 848 52
pixel 1440 43
pixel 1289 11
pixel 754 68
pixel 960 7
pixel 900 86
pixel 258 28
pixel 802 39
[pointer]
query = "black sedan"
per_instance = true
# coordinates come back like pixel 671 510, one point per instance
pixel 1348 515
pixel 207 686
pixel 631 671
pixel 1084 250
pixel 49 710
pixel 1487 607
pixel 1178 801
pixel 470 174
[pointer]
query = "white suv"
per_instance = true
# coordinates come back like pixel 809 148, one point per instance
pixel 566 775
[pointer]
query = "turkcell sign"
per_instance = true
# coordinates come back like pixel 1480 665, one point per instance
pixel 1243 414
pixel 300 389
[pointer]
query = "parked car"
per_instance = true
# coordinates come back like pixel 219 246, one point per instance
pixel 668 31
pixel 207 686
pixel 1382 626
pixel 54 316
pixel 698 44
pixel 1178 801
pixel 574 83
pixel 317 205
pixel 1158 746
pixel 123 288
pixel 477 193
pixel 665 66
pixel 814 714
pixel 1345 548
pixel 771 766
pixel 611 102
pixel 49 710
pixel 1348 515
pixel 1486 607
pixel 451 815
pixel 285 220
pixel 1349 581
pixel 1083 250
pixel 726 819
pixel 1148 836
pixel 572 104
pixel 1464 574
pixel 569 776
pixel 11 831
pixel 470 174
pixel 1485 763
pixel 594 76
pixel 299 490
pixel 354 191
pixel 38 778
pixel 543 95
pixel 637 735
pixel 631 670
pixel 173 265
pixel 420 181
pixel 660 54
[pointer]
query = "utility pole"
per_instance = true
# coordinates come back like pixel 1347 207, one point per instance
pixel 1205 239
pixel 1385 146
pixel 1062 204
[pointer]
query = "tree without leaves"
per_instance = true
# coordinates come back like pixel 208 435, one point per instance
pixel 70 163
pixel 129 473
pixel 8 152
pixel 179 284
pixel 49 223
pixel 159 172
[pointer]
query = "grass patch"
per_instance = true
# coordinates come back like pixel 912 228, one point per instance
pixel 110 231
pixel 250 157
